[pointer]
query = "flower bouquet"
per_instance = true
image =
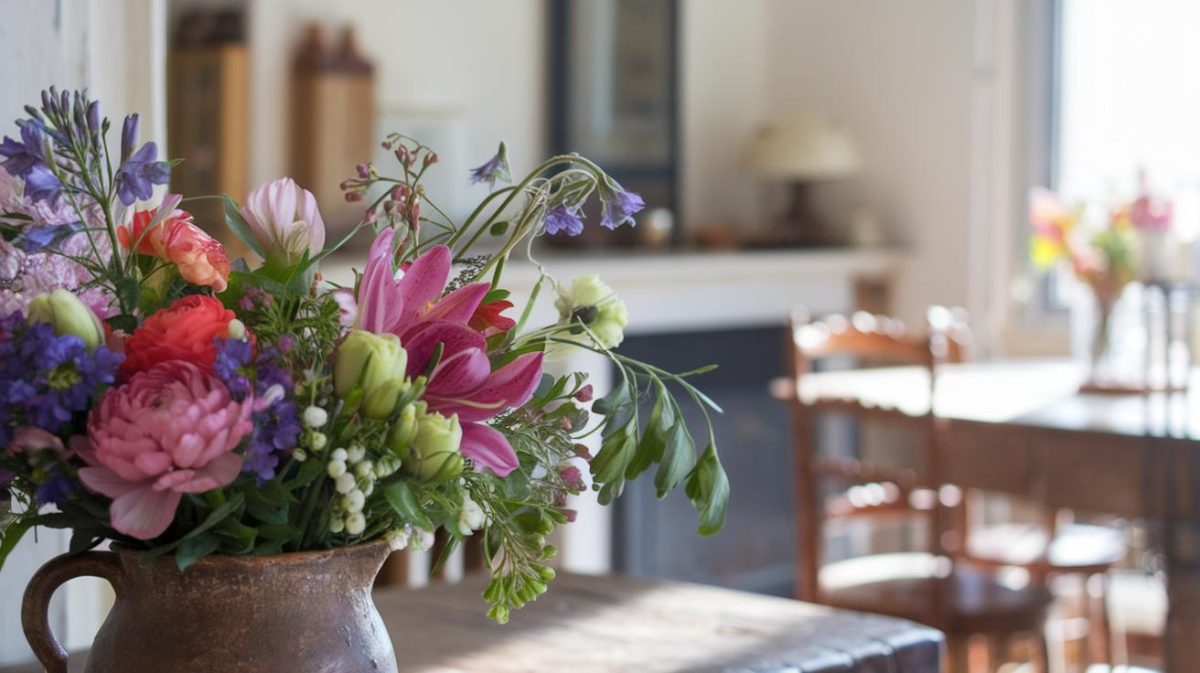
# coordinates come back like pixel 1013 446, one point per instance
pixel 188 407
pixel 1102 258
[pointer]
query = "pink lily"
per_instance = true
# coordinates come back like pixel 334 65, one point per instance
pixel 463 381
pixel 395 301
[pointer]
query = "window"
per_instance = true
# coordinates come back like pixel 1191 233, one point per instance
pixel 1128 99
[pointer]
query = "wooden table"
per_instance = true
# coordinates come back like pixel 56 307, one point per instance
pixel 1023 428
pixel 623 625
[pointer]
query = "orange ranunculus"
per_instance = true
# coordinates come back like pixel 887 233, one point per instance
pixel 183 331
pixel 201 259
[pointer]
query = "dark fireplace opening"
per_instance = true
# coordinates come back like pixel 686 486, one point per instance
pixel 755 551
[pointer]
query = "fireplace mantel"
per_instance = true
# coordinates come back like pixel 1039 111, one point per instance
pixel 696 291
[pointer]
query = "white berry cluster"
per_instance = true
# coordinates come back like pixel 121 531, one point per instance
pixel 354 476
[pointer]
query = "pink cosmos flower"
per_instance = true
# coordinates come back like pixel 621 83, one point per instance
pixel 285 219
pixel 409 304
pixel 171 430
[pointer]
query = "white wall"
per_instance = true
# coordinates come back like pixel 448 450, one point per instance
pixel 482 61
pixel 724 80
pixel 898 75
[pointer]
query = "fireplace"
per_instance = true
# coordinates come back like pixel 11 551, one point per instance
pixel 755 550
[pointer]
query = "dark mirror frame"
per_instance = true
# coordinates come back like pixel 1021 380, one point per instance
pixel 659 180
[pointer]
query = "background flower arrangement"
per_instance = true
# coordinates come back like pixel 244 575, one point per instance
pixel 161 396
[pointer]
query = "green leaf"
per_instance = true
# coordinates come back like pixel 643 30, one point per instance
pixel 708 488
pixel 237 224
pixel 678 458
pixel 195 548
pixel 654 438
pixel 307 474
pixel 499 228
pixel 400 496
pixel 10 536
pixel 214 517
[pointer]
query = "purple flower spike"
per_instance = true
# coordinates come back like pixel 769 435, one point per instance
pixel 618 207
pixel 42 185
pixel 138 175
pixel 494 169
pixel 20 158
pixel 564 220
pixel 129 131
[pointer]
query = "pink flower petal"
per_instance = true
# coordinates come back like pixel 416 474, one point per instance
pixel 220 472
pixel 463 365
pixel 144 513
pixel 379 297
pixel 459 305
pixel 108 483
pixel 487 448
pixel 510 386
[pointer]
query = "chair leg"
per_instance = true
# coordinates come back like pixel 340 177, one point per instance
pixel 958 659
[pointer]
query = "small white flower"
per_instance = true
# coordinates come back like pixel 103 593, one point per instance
pixel 299 455
pixel 397 538
pixel 339 454
pixel 365 470
pixel 344 483
pixel 353 501
pixel 318 440
pixel 356 523
pixel 356 454
pixel 315 417
pixel 420 540
pixel 336 525
pixel 237 329
pixel 336 469
pixel 471 516
pixel 367 487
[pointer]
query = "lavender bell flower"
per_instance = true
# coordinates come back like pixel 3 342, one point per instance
pixel 22 157
pixel 618 206
pixel 562 219
pixel 494 169
pixel 138 175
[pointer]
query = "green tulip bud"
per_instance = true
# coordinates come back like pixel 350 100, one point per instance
pixel 380 401
pixel 63 311
pixel 366 361
pixel 405 428
pixel 433 455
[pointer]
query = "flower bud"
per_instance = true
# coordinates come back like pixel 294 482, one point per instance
pixel 237 329
pixel 66 314
pixel 367 360
pixel 315 417
pixel 381 401
pixel 344 483
pixel 356 523
pixel 405 428
pixel 284 220
pixel 434 454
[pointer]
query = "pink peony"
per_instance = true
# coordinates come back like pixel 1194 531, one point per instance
pixel 171 430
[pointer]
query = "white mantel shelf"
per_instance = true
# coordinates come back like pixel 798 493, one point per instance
pixel 697 291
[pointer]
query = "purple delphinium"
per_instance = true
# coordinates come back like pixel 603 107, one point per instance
pixel 618 206
pixel 25 159
pixel 493 169
pixel 137 175
pixel 276 418
pixel 55 490
pixel 48 378
pixel 562 219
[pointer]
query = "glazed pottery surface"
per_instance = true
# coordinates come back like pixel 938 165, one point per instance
pixel 308 612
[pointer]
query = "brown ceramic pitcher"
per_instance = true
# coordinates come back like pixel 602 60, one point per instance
pixel 308 612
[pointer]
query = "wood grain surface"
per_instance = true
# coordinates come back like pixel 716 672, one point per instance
pixel 615 624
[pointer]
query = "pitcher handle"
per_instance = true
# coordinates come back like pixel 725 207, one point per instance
pixel 35 607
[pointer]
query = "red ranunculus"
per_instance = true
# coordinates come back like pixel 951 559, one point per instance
pixel 183 331
pixel 488 321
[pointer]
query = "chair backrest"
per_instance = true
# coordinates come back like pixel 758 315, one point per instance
pixel 867 340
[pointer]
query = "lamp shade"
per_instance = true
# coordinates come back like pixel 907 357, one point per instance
pixel 803 147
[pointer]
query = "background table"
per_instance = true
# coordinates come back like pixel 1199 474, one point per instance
pixel 1024 428
pixel 622 625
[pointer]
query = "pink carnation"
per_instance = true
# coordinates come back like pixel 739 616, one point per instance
pixel 171 430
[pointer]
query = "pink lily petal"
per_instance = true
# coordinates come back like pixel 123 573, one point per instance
pixel 459 305
pixel 464 364
pixel 144 513
pixel 487 448
pixel 510 386
pixel 379 287
pixel 421 285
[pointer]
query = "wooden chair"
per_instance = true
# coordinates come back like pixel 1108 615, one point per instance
pixel 927 585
